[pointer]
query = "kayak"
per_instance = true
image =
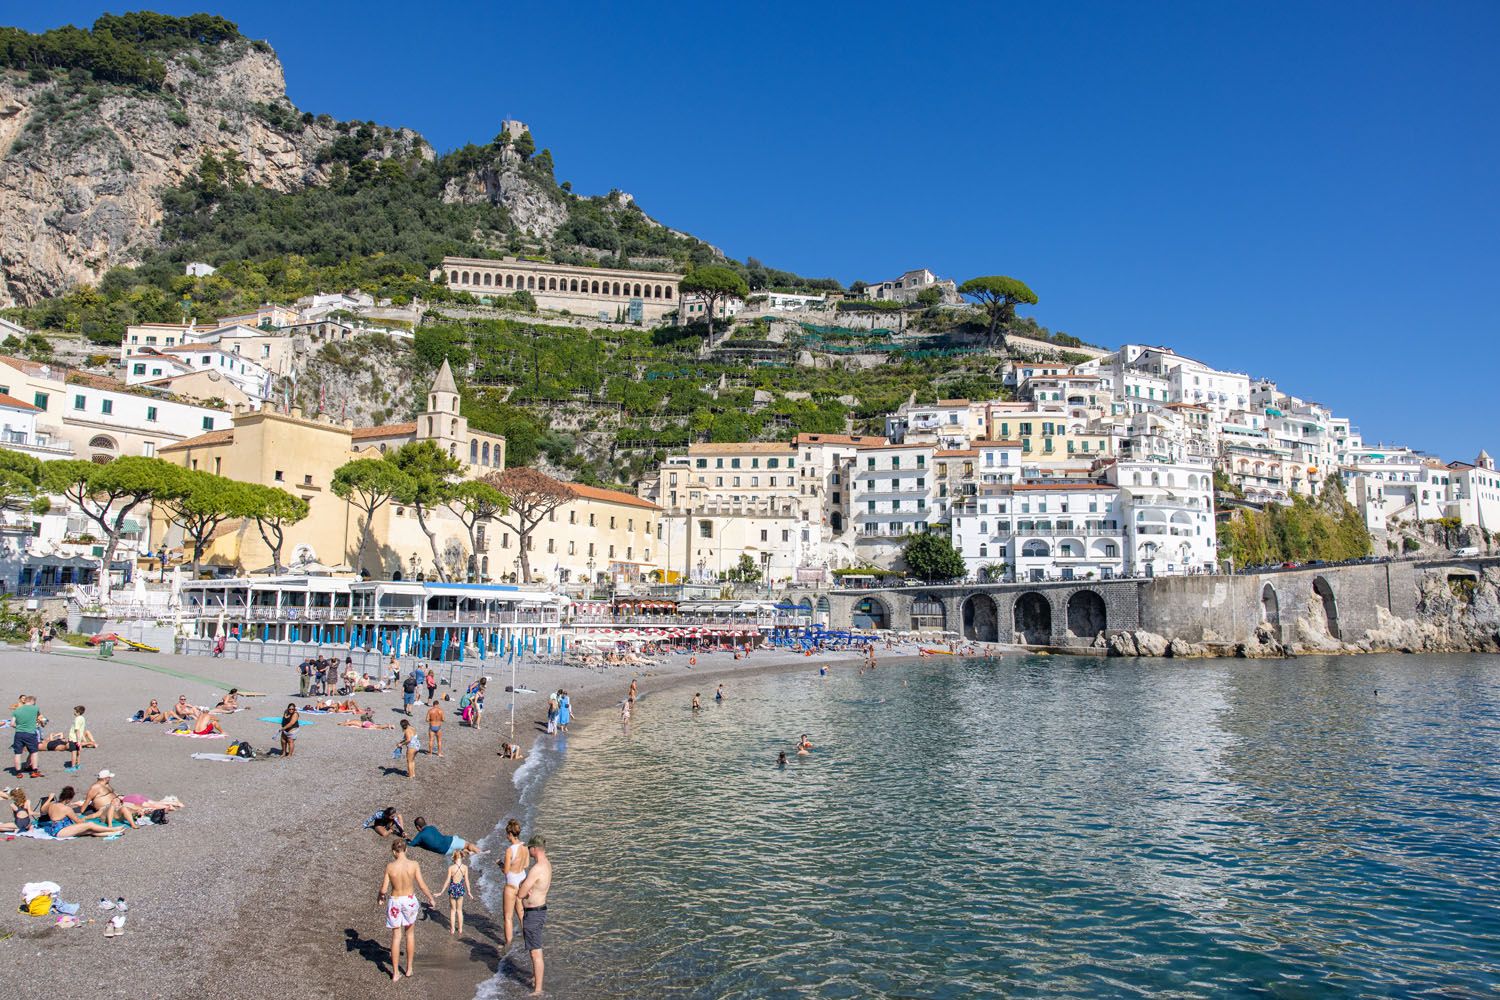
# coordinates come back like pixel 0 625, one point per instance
pixel 935 652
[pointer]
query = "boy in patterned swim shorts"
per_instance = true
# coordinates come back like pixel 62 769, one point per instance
pixel 399 893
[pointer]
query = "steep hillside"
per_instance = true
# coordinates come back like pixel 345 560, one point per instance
pixel 85 153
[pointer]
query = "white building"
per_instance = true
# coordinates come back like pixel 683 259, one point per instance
pixel 1042 531
pixel 793 302
pixel 951 423
pixel 892 497
pixel 18 431
pixel 911 284
pixel 1474 493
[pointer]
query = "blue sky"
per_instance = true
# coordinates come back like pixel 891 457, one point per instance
pixel 1307 192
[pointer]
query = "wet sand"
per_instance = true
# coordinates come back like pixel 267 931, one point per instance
pixel 265 883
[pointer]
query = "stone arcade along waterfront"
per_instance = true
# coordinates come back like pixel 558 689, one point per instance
pixel 1039 826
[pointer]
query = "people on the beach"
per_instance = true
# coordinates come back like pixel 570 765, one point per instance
pixel 719 694
pixel 36 639
pixel 26 717
pixel 552 714
pixel 457 887
pixel 365 723
pixel 79 737
pixel 803 746
pixel 435 728
pixel 20 813
pixel 533 898
pixel 781 759
pixel 205 724
pixel 403 877
pixel 230 702
pixel 408 747
pixel 432 685
pixel 219 644
pixel 386 822
pixel 564 711
pixel 102 801
pixel 291 721
pixel 631 696
pixel 625 710
pixel 513 863
pixel 510 751
pixel 58 817
pixel 409 691
pixel 152 713
pixel 304 677
pixel 182 710
pixel 431 838
pixel 697 702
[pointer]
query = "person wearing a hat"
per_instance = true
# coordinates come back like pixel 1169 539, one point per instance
pixel 533 897
pixel 102 802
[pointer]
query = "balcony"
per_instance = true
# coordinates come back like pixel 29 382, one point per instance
pixel 34 443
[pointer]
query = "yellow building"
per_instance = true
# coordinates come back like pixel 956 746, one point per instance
pixel 604 536
pixel 300 455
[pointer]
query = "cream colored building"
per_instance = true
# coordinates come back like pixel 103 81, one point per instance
pixel 584 290
pixel 722 501
pixel 604 536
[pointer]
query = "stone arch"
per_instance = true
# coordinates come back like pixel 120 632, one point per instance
pixel 573 285
pixel 510 281
pixel 981 619
pixel 473 451
pixel 453 277
pixel 551 284
pixel 465 278
pixel 487 278
pixel 872 613
pixel 1033 618
pixel 638 289
pixel 531 281
pixel 928 613
pixel 669 291
pixel 1087 616
pixel 1270 607
pixel 1036 548
pixel 102 441
pixel 1330 605
pixel 484 454
pixel 595 290
pixel 617 288
pixel 453 429
pixel 822 606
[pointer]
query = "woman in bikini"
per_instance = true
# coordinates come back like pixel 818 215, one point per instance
pixel 20 813
pixel 230 702
pixel 58 818
pixel 290 723
pixel 387 822
pixel 364 724
pixel 457 887
pixel 514 863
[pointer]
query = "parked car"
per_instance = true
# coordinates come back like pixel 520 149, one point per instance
pixel 1288 565
pixel 1467 551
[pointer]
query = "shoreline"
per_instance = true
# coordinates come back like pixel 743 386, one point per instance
pixel 267 871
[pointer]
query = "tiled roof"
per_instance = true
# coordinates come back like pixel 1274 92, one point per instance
pixel 384 431
pixel 741 447
pixel 610 496
pixel 16 404
pixel 860 439
pixel 212 437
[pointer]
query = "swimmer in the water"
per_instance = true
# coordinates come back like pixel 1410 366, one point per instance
pixel 781 759
pixel 803 746
pixel 697 704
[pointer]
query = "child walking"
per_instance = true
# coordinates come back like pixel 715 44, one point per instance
pixel 457 888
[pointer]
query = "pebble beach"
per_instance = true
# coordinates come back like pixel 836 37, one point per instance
pixel 265 881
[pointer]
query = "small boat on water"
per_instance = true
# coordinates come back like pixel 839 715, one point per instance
pixel 934 652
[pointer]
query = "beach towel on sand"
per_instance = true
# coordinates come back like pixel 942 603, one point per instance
pixel 277 719
pixel 195 736
pixel 217 756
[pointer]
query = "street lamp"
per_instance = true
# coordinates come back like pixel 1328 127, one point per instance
pixel 161 559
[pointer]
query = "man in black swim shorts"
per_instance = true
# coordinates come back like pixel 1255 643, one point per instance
pixel 533 896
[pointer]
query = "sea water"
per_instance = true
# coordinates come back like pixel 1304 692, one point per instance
pixel 1033 826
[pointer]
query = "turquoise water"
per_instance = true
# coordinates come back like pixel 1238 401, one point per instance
pixel 1036 826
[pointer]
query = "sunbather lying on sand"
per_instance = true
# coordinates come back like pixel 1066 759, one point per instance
pixel 102 802
pixel 365 724
pixel 334 705
pixel 146 805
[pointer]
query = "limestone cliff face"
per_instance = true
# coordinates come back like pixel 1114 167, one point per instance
pixel 82 165
pixel 534 203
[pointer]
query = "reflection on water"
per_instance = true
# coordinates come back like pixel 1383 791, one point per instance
pixel 1038 826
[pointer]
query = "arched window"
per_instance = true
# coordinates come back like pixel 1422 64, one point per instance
pixel 669 291
pixel 617 288
pixel 531 281
pixel 382 447
pixel 429 427
pixel 484 567
pixel 453 277
pixel 487 278
pixel 1135 478
pixel 510 281
pixel 453 428
pixel 552 284
pixel 484 453
pixel 596 288
pixel 473 451
pixel 637 290
pixel 658 291
pixel 573 285
pixel 102 442
pixel 1035 548
pixel 465 279
pixel 984 551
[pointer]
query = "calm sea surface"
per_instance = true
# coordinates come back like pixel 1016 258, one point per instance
pixel 1035 826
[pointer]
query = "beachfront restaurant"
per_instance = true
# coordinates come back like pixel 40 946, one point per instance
pixel 434 621
pixel 694 623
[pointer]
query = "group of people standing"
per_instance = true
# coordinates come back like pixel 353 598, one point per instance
pixel 559 712
pixel 528 877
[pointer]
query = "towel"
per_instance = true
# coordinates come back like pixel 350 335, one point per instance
pixel 195 736
pixel 277 719
pixel 216 756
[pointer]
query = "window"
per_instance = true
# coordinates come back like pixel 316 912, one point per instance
pixel 702 463
pixel 869 463
pixel 763 534
pixel 551 545
pixel 280 476
pixel 148 448
pixel 306 479
pixel 208 423
pixel 591 550
pixel 571 547
pixel 734 463
pixel 106 406
pixel 40 400
pixel 79 403
pixel 705 529
pixel 572 517
pixel 786 536
pixel 591 520
pixel 611 524
pixel 895 461
pixel 218 466
pixel 151 414
pixel 772 463
pixel 611 551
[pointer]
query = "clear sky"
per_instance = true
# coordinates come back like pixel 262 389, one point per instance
pixel 1307 192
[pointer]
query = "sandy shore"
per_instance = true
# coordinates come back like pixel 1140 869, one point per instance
pixel 266 881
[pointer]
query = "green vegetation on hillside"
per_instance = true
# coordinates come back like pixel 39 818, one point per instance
pixel 1330 529
pixel 124 49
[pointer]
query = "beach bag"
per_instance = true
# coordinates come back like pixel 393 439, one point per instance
pixel 243 750
pixel 158 817
pixel 39 906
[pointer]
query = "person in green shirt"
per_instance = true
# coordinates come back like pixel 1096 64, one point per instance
pixel 27 718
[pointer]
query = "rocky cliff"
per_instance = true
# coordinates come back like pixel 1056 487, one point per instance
pixel 83 163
